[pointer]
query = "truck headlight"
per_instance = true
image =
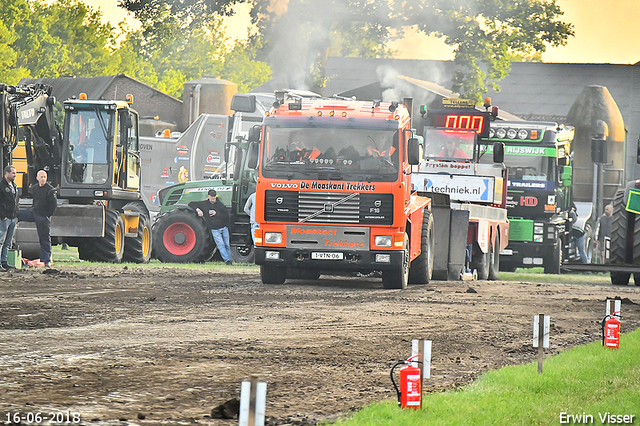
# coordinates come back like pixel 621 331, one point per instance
pixel 383 241
pixel 273 237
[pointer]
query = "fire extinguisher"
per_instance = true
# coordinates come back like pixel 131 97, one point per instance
pixel 611 331
pixel 410 391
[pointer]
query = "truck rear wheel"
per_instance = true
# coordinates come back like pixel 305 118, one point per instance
pixel 421 269
pixel 273 274
pixel 109 248
pixel 618 253
pixel 138 249
pixel 494 261
pixel 397 279
pixel 180 236
pixel 480 263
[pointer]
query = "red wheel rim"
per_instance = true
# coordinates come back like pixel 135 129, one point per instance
pixel 177 230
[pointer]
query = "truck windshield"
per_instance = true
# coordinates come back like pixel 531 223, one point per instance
pixel 530 168
pixel 87 154
pixel 342 150
pixel 446 144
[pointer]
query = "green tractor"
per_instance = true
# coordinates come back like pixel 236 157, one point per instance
pixel 181 236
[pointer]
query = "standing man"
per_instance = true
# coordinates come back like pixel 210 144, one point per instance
pixel 44 204
pixel 250 209
pixel 8 214
pixel 216 215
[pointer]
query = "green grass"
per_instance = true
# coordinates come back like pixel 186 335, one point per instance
pixel 587 379
pixel 70 258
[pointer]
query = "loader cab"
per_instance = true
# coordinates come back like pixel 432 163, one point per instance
pixel 101 149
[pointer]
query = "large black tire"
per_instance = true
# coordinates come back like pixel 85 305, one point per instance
pixel 273 274
pixel 397 279
pixel 619 247
pixel 109 248
pixel 241 253
pixel 494 261
pixel 180 236
pixel 553 262
pixel 480 262
pixel 138 249
pixel 421 269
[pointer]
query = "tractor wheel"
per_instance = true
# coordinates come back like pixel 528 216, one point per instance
pixel 180 236
pixel 618 253
pixel 494 261
pixel 273 274
pixel 138 249
pixel 421 269
pixel 553 262
pixel 109 248
pixel 399 277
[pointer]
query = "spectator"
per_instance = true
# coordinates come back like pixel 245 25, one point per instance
pixel 8 214
pixel 250 209
pixel 577 233
pixel 217 218
pixel 604 229
pixel 44 204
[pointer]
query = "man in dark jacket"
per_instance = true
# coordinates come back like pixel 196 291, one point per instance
pixel 216 215
pixel 44 204
pixel 8 214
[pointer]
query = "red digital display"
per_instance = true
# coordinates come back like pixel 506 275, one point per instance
pixel 468 120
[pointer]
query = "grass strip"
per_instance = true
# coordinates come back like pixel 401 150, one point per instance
pixel 587 382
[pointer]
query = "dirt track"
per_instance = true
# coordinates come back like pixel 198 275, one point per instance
pixel 165 346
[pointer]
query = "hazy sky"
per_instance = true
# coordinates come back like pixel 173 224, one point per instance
pixel 605 32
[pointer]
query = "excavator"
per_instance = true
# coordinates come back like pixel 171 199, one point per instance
pixel 94 163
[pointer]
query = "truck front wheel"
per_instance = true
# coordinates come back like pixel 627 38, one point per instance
pixel 273 274
pixel 553 263
pixel 422 266
pixel 397 279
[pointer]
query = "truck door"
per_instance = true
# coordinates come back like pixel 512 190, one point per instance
pixel 133 152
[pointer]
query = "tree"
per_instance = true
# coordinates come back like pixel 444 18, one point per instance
pixel 482 33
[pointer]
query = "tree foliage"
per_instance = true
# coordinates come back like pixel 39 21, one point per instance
pixel 484 34
pixel 42 38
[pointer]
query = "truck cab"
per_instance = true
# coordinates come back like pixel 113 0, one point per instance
pixel 539 163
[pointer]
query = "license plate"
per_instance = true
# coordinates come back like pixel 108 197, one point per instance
pixel 326 256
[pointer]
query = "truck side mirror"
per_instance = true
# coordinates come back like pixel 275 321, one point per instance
pixel 254 134
pixel 253 155
pixel 413 151
pixel 498 152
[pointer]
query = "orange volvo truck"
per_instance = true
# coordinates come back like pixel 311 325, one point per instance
pixel 333 193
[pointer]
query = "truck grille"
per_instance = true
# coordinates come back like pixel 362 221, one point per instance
pixel 520 230
pixel 328 207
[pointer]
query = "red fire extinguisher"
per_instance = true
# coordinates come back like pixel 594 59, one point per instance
pixel 410 391
pixel 611 331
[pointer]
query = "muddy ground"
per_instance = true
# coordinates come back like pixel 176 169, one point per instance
pixel 166 345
